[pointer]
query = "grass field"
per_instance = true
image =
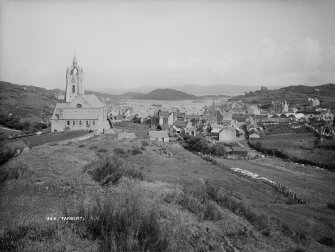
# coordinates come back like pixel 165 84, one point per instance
pixel 299 145
pixel 37 140
pixel 195 205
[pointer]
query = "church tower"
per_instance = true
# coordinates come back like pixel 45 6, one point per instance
pixel 74 81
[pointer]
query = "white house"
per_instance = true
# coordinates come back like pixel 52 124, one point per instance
pixel 161 136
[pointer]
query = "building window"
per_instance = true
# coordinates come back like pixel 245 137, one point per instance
pixel 86 123
pixel 68 122
pixel 79 105
pixel 74 122
pixel 79 122
pixel 93 122
pixel 73 88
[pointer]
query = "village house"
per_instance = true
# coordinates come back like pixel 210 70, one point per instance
pixel 254 135
pixel 79 111
pixel 190 129
pixel 179 126
pixel 327 116
pixel 160 136
pixel 314 102
pixel 226 115
pixel 253 110
pixel 227 135
pixel 278 107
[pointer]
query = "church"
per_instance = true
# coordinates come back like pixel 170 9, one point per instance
pixel 80 111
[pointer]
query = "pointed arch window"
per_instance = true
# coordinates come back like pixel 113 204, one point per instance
pixel 73 88
pixel 79 105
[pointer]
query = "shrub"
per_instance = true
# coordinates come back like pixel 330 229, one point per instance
pixel 110 169
pixel 6 153
pixel 218 150
pixel 9 173
pixel 331 205
pixel 211 212
pixel 133 173
pixel 144 143
pixel 102 150
pixel 328 241
pixel 105 169
pixel 191 203
pixel 13 237
pixel 135 151
pixel 121 152
pixel 124 227
pixel 197 144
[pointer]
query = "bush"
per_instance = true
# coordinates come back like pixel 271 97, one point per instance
pixel 211 212
pixel 124 227
pixel 9 173
pixel 12 238
pixel 144 143
pixel 133 173
pixel 110 169
pixel 121 152
pixel 218 150
pixel 197 144
pixel 6 153
pixel 136 150
pixel 328 241
pixel 331 205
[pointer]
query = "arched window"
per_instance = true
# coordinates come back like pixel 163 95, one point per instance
pixel 93 122
pixel 68 122
pixel 79 105
pixel 73 88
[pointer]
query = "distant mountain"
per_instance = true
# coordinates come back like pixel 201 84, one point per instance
pixel 193 89
pixel 165 94
pixel 294 95
pixel 219 89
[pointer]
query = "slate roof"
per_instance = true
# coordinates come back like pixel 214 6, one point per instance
pixel 77 114
pixel 68 111
pixel 93 100
pixel 158 134
pixel 180 124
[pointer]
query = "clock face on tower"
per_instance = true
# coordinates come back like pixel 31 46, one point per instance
pixel 73 80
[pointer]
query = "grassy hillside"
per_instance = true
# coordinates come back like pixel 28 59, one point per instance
pixel 294 95
pixel 143 196
pixel 32 103
pixel 26 101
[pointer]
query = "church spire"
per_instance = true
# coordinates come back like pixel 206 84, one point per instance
pixel 74 62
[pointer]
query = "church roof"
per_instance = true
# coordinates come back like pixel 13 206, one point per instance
pixel 93 100
pixel 78 114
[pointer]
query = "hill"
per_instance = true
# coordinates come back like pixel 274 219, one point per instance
pixel 33 103
pixel 294 95
pixel 218 89
pixel 166 94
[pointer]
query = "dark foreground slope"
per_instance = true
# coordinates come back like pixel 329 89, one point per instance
pixel 163 198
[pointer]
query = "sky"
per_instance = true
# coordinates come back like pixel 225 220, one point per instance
pixel 130 44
